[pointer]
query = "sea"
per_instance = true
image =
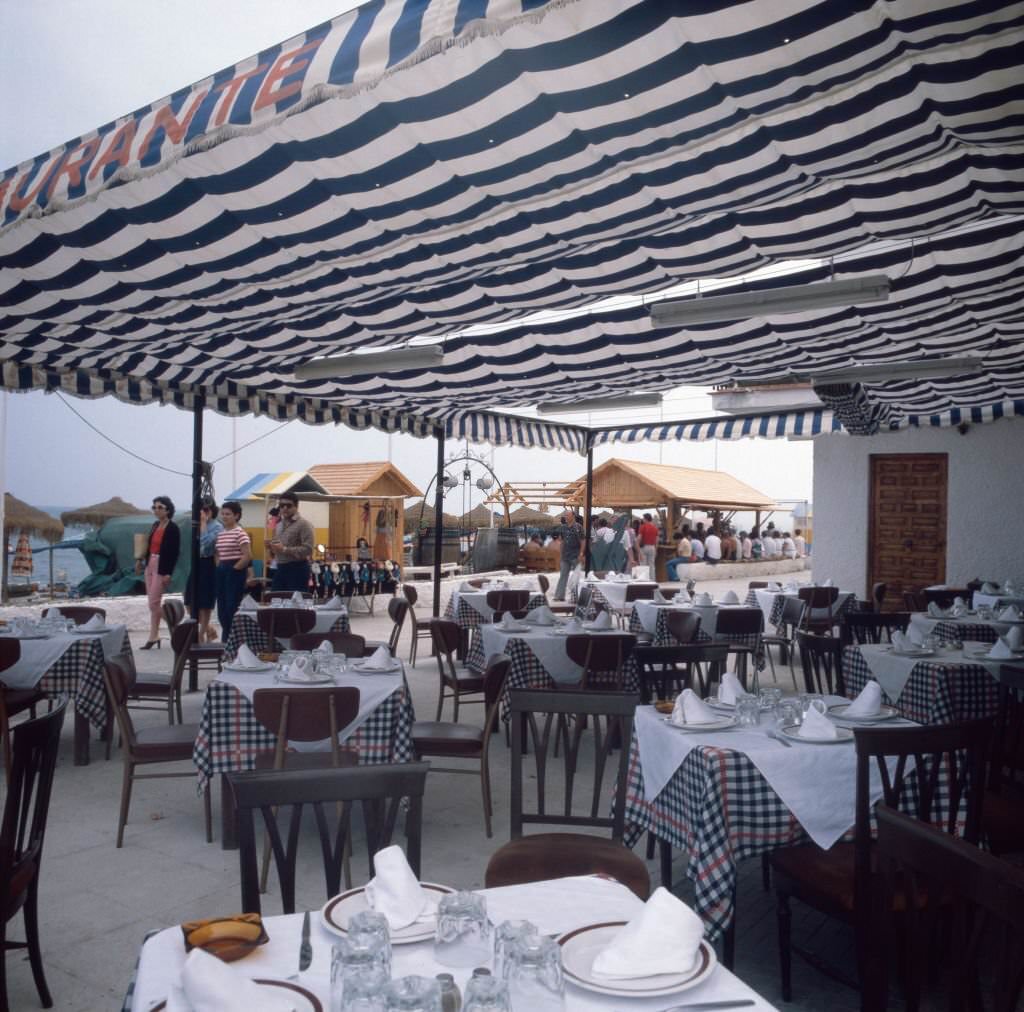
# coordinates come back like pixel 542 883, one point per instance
pixel 69 565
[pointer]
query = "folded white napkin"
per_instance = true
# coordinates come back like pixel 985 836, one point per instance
pixel 210 985
pixel 245 658
pixel 541 616
pixel 248 603
pixel 817 725
pixel 915 637
pixel 332 604
pixel 1000 650
pixel 868 702
pixel 730 689
pixel 774 587
pixel 297 598
pixel 659 597
pixel 300 670
pixel 380 660
pixel 325 648
pixel 394 891
pixel 466 588
pixel 93 624
pixel 791 588
pixel 729 597
pixel 989 588
pixel 691 709
pixel 704 598
pixel 828 582
pixel 603 621
pixel 591 575
pixel 935 611
pixel 1011 613
pixel 1015 638
pixel 574 625
pixel 958 610
pixel 664 937
pixel 681 597
pixel 959 602
pixel 52 613
pixel 508 621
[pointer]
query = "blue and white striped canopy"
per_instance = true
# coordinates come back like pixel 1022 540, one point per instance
pixel 417 168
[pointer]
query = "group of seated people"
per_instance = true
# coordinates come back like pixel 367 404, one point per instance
pixel 700 545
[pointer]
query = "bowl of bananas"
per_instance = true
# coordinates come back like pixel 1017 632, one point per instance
pixel 227 938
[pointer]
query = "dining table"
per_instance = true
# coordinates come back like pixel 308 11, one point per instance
pixel 1000 599
pixel 953 631
pixel 573 910
pixel 71 663
pixel 245 628
pixel 651 617
pixel 612 593
pixel 771 603
pixel 230 737
pixel 468 608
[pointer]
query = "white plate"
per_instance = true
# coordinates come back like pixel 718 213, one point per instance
pixel 916 652
pixel 519 627
pixel 982 654
pixel 337 911
pixel 244 669
pixel 287 991
pixel 838 710
pixel 792 731
pixel 317 679
pixel 28 636
pixel 713 725
pixel 90 632
pixel 363 670
pixel 580 949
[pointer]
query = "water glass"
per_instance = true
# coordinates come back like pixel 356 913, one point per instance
pixel 412 994
pixel 809 699
pixel 788 711
pixel 463 936
pixel 770 698
pixel 534 974
pixel 277 602
pixel 361 991
pixel 748 711
pixel 486 994
pixel 505 936
pixel 367 927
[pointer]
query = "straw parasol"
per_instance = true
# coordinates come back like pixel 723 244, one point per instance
pixel 98 514
pixel 480 516
pixel 533 518
pixel 19 516
pixel 413 519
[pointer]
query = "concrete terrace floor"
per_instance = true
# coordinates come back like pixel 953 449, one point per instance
pixel 97 902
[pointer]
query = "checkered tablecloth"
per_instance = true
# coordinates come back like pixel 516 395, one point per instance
pixel 846 604
pixel 468 617
pixel 79 674
pixel 230 736
pixel 955 633
pixel 245 628
pixel 935 693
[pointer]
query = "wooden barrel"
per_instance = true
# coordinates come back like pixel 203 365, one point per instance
pixel 495 548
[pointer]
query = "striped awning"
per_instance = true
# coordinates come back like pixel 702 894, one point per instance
pixel 425 171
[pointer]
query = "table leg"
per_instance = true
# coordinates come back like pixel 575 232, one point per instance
pixel 81 739
pixel 228 824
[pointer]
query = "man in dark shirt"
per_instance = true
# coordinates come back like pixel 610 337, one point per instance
pixel 572 550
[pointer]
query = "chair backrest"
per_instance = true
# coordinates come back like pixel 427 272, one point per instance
pixel 691 666
pixel 501 601
pixel 81 613
pixel 494 676
pixel 980 915
pixel 792 612
pixel 544 583
pixel 818 597
pixel 349 644
pixel 313 714
pixel 381 790
pixel 119 681
pixel 878 592
pixel 537 711
pixel 821 658
pixel 602 657
pixel 944 598
pixel 285 622
pixel 1006 764
pixel 914 600
pixel 872 626
pixel 585 601
pixel 411 594
pixel 640 592
pixel 444 635
pixel 757 585
pixel 173 611
pixel 739 621
pixel 183 637
pixel 285 595
pixel 398 608
pixel 682 626
pixel 10 654
pixel 34 746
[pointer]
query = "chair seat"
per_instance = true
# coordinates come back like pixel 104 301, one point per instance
pixel 469 682
pixel 165 742
pixel 206 651
pixel 431 737
pixel 17 700
pixel 308 760
pixel 559 855
pixel 153 683
pixel 824 873
pixel 1003 819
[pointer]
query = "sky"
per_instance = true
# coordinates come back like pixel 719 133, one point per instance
pixel 67 66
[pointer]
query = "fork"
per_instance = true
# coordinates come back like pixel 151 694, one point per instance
pixel 305 946
pixel 775 736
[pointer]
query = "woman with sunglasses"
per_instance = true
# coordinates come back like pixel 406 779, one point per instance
pixel 161 558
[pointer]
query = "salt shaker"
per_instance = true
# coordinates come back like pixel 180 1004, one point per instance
pixel 451 999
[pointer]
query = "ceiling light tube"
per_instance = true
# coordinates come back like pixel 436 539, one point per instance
pixel 600 404
pixel 771 301
pixel 925 368
pixel 427 356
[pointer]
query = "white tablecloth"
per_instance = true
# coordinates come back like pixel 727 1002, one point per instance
pixel 325 617
pixel 766 601
pixel 923 623
pixel 614 592
pixel 38 656
pixel 548 647
pixel 554 907
pixel 647 612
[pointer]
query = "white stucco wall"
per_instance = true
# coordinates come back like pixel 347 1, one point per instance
pixel 985 509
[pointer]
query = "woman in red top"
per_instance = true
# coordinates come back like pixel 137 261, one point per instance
pixel 161 558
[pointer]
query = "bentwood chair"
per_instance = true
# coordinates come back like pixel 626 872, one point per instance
pixel 81 613
pixel 200 655
pixel 872 626
pixel 936 774
pixel 602 656
pixel 283 623
pixel 381 789
pixel 1003 813
pixel 741 628
pixel 350 644
pixel 453 683
pixel 634 592
pixel 533 858
pixel 683 626
pixel 914 600
pixel 821 659
pixel 13 701
pixel 558 607
pixel 820 614
pixel 501 601
pixel 398 609
pixel 164 689
pixel 420 626
pixel 789 622
pixel 672 669
pixel 26 807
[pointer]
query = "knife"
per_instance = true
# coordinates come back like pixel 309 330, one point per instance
pixel 701 1006
pixel 305 947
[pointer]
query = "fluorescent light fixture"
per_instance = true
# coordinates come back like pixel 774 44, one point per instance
pixel 424 356
pixel 600 404
pixel 771 301
pixel 925 368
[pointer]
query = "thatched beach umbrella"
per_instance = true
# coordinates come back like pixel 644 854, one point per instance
pixel 414 521
pixel 480 516
pixel 19 516
pixel 533 518
pixel 98 514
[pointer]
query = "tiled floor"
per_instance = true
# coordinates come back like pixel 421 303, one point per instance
pixel 98 902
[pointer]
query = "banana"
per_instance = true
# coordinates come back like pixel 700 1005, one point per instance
pixel 246 928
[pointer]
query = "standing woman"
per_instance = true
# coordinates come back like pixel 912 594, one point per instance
pixel 206 594
pixel 161 558
pixel 234 553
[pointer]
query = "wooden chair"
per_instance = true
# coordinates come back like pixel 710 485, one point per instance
pixel 757 585
pixel 819 609
pixel 634 592
pixel 821 659
pixel 165 689
pixel 558 607
pixel 533 858
pixel 81 613
pixel 148 746
pixel 789 622
pixel 602 656
pixel 878 592
pixel 872 626
pixel 13 701
pixel 501 601
pixel 981 914
pixel 746 624
pixel 585 600
pixel 380 788
pixel 350 644
pixel 683 626
pixel 445 634
pixel 284 595
pixel 200 655
pixel 1003 812
pixel 22 832
pixel 420 626
pixel 945 598
pixel 398 608
pixel 173 611
pixel 914 600
pixel 283 623
pixel 672 669
pixel 466 741
pixel 936 774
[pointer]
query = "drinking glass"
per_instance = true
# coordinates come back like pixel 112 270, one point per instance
pixel 368 924
pixel 788 711
pixel 356 955
pixel 809 699
pixel 505 936
pixel 486 994
pixel 359 991
pixel 770 698
pixel 463 936
pixel 412 994
pixel 748 711
pixel 534 974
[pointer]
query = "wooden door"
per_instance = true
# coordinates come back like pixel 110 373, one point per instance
pixel 907 531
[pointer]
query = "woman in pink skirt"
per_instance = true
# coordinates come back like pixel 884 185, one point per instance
pixel 161 558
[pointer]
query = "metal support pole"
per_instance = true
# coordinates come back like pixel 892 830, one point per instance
pixel 590 502
pixel 438 520
pixel 198 404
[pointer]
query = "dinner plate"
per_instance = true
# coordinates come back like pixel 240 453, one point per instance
pixel 361 667
pixel 519 627
pixel 838 710
pixel 315 679
pixel 916 652
pixel 91 632
pixel 982 653
pixel 249 668
pixel 337 911
pixel 581 947
pixel 792 731
pixel 301 999
pixel 712 725
pixel 27 636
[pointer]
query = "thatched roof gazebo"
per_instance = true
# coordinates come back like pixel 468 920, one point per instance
pixel 19 516
pixel 98 514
